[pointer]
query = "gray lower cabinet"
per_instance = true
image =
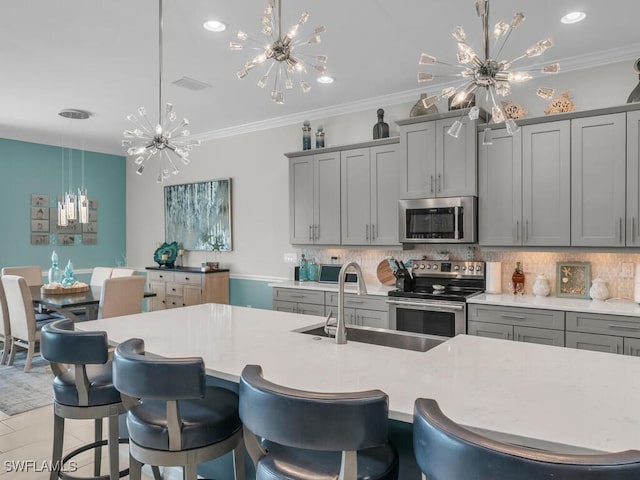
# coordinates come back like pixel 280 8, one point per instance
pixel 308 302
pixel 369 195
pixel 366 311
pixel 604 333
pixel 598 170
pixel 524 186
pixel 520 324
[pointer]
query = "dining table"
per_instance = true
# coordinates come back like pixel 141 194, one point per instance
pixel 68 304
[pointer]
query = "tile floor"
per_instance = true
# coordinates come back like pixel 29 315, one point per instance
pixel 29 436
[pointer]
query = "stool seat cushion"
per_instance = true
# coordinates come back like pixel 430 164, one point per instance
pixel 300 464
pixel 205 421
pixel 101 390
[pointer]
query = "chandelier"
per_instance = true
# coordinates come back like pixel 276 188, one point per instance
pixel 168 140
pixel 487 73
pixel 73 207
pixel 281 50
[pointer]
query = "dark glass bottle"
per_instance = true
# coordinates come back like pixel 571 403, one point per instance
pixel 380 129
pixel 306 135
pixel 518 280
pixel 320 137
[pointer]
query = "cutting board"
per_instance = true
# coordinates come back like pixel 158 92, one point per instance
pixel 384 273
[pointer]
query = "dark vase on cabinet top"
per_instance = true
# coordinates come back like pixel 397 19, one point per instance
pixel 380 129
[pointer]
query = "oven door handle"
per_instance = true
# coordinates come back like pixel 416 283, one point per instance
pixel 433 306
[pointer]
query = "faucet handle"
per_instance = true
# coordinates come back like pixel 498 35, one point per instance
pixel 329 328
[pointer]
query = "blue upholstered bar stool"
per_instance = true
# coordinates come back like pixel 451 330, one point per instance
pixel 447 451
pixel 293 434
pixel 173 418
pixel 82 389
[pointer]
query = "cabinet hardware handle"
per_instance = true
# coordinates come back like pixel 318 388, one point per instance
pixel 633 229
pixel 373 231
pixel 513 317
pixel 356 302
pixel 439 183
pixel 621 239
pixel 310 234
pixel 526 232
pixel 431 183
pixel 367 232
pixel 297 296
pixel 186 278
pixel 161 276
pixel 316 229
pixel 623 327
pixel 517 230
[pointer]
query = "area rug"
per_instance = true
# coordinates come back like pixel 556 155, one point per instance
pixel 21 392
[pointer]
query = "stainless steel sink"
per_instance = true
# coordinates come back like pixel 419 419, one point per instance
pixel 387 338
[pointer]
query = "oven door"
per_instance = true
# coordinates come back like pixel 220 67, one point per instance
pixel 431 317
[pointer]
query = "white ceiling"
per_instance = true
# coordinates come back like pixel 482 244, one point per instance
pixel 102 56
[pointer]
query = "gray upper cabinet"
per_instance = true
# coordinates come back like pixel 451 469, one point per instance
pixel 598 163
pixel 434 164
pixel 370 195
pixel 524 186
pixel 314 199
pixel 633 178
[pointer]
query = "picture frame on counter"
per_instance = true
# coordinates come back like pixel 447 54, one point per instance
pixel 573 279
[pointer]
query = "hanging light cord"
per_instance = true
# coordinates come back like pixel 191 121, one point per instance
pixel 160 51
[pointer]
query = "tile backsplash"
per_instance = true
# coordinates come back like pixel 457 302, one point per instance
pixel 607 266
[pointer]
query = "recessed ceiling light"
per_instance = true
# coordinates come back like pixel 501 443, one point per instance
pixel 215 26
pixel 326 79
pixel 573 17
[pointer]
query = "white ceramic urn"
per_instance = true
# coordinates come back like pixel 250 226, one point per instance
pixel 541 286
pixel 599 290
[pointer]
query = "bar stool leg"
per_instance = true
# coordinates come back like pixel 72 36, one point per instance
pixel 156 472
pixel 238 461
pixel 114 454
pixel 56 456
pixel 135 468
pixel 97 452
pixel 190 471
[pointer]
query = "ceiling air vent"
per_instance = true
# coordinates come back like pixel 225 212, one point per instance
pixel 191 84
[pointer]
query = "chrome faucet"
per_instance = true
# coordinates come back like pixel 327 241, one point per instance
pixel 341 329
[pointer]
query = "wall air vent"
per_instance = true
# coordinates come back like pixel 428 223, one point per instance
pixel 191 84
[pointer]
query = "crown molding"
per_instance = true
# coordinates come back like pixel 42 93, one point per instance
pixel 581 62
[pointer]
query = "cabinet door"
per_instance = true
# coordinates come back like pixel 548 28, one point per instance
pixel 356 197
pixel 350 317
pixel 456 159
pixel 301 200
pixel 500 198
pixel 546 180
pixel 633 178
pixel 282 306
pixel 159 301
pixel 372 318
pixel 543 336
pixel 491 330
pixel 418 160
pixel 598 162
pixel 597 343
pixel 632 346
pixel 326 224
pixel 385 180
pixel 192 295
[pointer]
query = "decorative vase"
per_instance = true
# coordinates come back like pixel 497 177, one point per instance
pixel 634 96
pixel 419 108
pixel 69 278
pixel 518 280
pixel 380 129
pixel 599 290
pixel 320 137
pixel 303 272
pixel 541 286
pixel 55 274
pixel 306 135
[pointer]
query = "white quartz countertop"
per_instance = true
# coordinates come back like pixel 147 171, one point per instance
pixel 611 307
pixel 532 394
pixel 372 289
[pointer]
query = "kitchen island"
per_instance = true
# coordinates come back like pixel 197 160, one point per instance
pixel 536 395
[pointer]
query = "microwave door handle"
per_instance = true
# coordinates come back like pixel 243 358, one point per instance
pixel 456 215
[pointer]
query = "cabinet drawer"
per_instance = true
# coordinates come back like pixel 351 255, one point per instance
pixel 529 317
pixel 352 300
pixel 490 330
pixel 604 324
pixel 172 301
pixel 597 343
pixel 156 276
pixel 174 289
pixel 294 295
pixel 188 278
pixel 281 306
pixel 543 336
pixel 310 309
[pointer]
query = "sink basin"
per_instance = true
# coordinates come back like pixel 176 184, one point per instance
pixel 386 338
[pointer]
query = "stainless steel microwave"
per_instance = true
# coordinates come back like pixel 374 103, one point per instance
pixel 439 220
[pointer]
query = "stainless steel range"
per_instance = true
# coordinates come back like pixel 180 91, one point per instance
pixel 433 299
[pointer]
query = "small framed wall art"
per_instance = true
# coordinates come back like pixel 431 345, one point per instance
pixel 573 279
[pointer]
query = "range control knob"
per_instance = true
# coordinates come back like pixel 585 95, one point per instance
pixel 422 266
pixel 435 267
pixel 478 268
pixel 464 268
pixel 428 267
pixel 456 267
pixel 471 268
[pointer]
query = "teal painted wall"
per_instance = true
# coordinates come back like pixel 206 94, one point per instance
pixel 244 292
pixel 33 168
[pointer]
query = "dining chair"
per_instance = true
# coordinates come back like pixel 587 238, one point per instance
pixel 99 275
pixel 173 417
pixel 33 277
pixel 295 434
pixel 445 450
pixel 25 331
pixel 5 326
pixel 123 272
pixel 121 296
